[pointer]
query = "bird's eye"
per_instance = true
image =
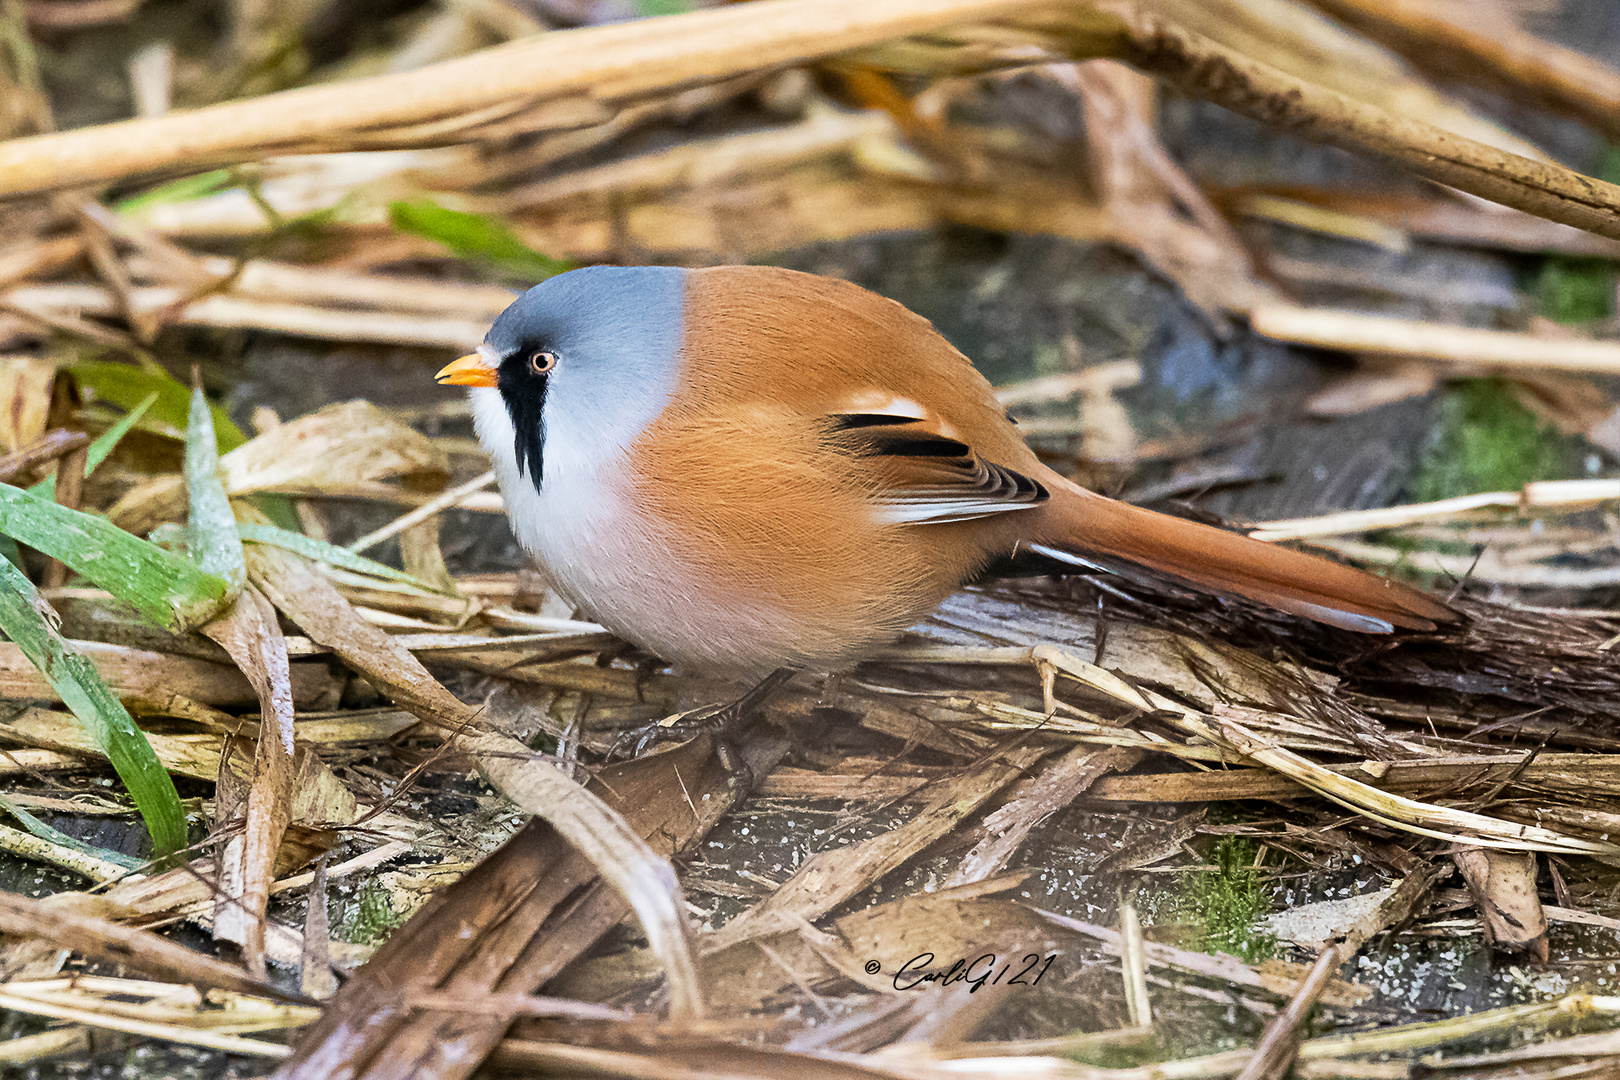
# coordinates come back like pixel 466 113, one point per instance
pixel 542 362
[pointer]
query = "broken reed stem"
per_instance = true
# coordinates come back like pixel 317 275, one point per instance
pixel 1408 815
pixel 521 1005
pixel 1410 1037
pixel 162 1031
pixel 1486 567
pixel 141 950
pixel 1138 1007
pixel 1213 72
pixel 1454 42
pixel 1386 517
pixel 576 78
pixel 1472 347
pixel 1279 1045
pixel 1536 495
pixel 293 283
pixel 60 301
pixel 32 847
pixel 1324 1051
pixel 59 1042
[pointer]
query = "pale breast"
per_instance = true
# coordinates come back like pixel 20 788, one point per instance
pixel 575 523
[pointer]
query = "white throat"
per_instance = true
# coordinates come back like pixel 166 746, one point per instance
pixel 571 521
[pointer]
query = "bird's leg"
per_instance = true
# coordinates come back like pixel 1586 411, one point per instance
pixel 727 724
pixel 645 663
pixel 732 722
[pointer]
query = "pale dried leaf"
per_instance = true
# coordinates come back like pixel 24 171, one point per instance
pixel 249 632
pixel 621 856
pixel 1503 884
pixel 341 448
pixel 25 400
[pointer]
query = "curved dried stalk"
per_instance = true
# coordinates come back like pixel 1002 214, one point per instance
pixel 565 74
pixel 1465 43
pixel 1398 812
pixel 1205 69
pixel 560 81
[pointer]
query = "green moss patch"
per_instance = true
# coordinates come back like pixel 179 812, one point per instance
pixel 1485 440
pixel 1568 290
pixel 371 918
pixel 1227 905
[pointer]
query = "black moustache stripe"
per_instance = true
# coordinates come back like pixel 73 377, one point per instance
pixel 525 404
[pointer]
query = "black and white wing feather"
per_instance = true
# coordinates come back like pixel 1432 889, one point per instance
pixel 926 477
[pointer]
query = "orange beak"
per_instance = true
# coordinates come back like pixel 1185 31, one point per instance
pixel 470 370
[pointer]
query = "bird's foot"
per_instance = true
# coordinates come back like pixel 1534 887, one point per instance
pixel 726 724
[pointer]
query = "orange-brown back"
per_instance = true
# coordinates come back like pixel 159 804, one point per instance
pixel 779 517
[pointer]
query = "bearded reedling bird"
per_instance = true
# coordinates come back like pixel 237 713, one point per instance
pixel 749 469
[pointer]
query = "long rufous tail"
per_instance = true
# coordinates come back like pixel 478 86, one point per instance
pixel 1084 528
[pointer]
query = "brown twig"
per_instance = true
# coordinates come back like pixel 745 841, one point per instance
pixel 1211 71
pixel 140 949
pixel 51 446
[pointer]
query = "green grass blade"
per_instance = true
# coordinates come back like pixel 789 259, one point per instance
pixel 169 414
pixel 278 508
pixel 474 237
pixel 182 190
pixel 125 385
pixel 321 551
pixel 110 438
pixel 165 588
pixel 31 623
pixel 211 540
pixel 104 445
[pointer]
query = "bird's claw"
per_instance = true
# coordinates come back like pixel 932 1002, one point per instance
pixel 725 724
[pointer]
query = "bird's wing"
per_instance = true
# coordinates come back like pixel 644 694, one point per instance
pixel 925 476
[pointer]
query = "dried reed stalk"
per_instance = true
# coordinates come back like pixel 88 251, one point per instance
pixel 1471 346
pixel 573 79
pixel 1537 495
pixel 572 74
pixel 1453 40
pixel 1205 69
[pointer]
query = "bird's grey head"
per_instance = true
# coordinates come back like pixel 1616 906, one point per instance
pixel 586 360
